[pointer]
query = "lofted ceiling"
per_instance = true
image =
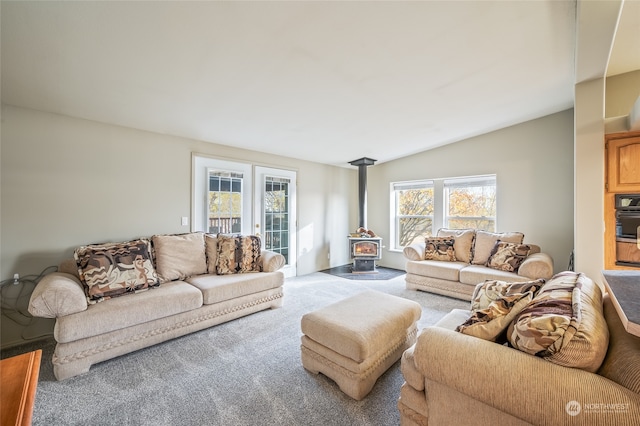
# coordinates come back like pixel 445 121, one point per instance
pixel 321 81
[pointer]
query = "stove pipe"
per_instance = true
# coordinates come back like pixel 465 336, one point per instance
pixel 362 164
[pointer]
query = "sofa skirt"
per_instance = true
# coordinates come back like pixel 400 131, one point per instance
pixel 439 286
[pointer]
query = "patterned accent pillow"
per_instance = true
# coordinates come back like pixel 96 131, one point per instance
pixel 238 254
pixel 114 269
pixel 491 322
pixel 440 248
pixel 485 241
pixel 249 258
pixel 463 242
pixel 508 256
pixel 564 323
pixel 211 251
pixel 492 290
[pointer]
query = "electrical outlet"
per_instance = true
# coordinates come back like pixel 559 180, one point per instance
pixel 185 221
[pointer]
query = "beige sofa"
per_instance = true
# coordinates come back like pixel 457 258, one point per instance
pixel 591 378
pixel 472 249
pixel 191 296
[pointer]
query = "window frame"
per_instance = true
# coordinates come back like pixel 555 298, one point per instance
pixel 440 218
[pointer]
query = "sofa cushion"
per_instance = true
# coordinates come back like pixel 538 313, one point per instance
pixel 436 269
pixel 218 288
pixel 114 269
pixel 121 312
pixel 474 274
pixel 564 323
pixel 179 256
pixel 495 305
pixel 453 319
pixel 440 248
pixel 485 241
pixel 463 242
pixel 508 256
pixel 623 356
pixel 238 254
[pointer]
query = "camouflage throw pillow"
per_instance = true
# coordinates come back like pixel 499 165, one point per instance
pixel 440 248
pixel 564 323
pixel 114 269
pixel 496 304
pixel 238 254
pixel 492 290
pixel 249 256
pixel 508 256
pixel 485 242
pixel 463 244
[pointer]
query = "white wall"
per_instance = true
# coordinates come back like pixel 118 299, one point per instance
pixel 533 162
pixel 66 182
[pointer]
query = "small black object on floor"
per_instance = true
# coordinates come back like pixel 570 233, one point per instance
pixel 380 273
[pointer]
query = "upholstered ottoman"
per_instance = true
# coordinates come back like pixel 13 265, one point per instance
pixel 355 340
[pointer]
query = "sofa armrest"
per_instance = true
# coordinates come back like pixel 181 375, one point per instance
pixel 57 294
pixel 414 251
pixel 537 265
pixel 503 377
pixel 272 261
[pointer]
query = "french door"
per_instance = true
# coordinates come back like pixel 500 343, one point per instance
pixel 275 212
pixel 234 197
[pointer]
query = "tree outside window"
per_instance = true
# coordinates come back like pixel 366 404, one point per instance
pixel 414 212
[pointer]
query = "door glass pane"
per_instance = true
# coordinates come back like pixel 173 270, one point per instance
pixel 225 202
pixel 276 215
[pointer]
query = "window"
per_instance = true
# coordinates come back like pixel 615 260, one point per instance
pixel 414 211
pixel 420 208
pixel 470 203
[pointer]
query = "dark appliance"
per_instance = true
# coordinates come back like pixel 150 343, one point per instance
pixel 627 229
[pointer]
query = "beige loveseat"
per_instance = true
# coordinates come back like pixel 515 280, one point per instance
pixel 148 291
pixel 456 271
pixel 588 375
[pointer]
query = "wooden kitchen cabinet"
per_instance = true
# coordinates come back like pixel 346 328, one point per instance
pixel 19 379
pixel 622 176
pixel 623 162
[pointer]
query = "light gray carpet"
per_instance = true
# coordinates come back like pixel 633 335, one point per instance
pixel 245 372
